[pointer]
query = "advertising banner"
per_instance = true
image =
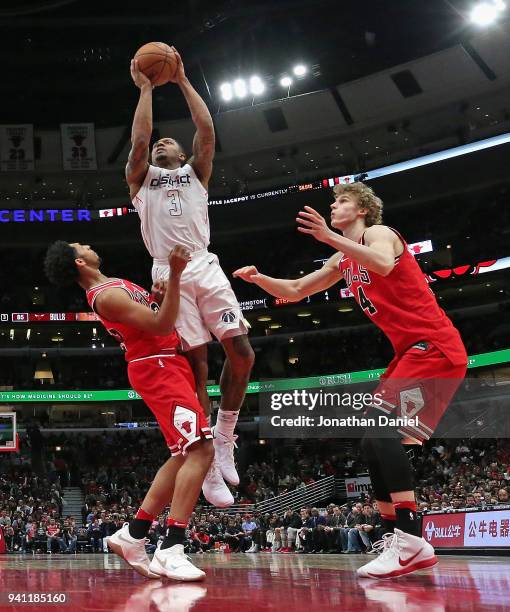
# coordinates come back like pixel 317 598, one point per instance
pixel 489 529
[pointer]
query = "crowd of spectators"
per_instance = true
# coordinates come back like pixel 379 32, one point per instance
pixel 347 529
pixel 450 475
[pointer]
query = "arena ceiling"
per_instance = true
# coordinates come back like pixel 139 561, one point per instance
pixel 66 60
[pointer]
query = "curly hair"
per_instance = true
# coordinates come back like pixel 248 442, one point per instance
pixel 59 264
pixel 366 199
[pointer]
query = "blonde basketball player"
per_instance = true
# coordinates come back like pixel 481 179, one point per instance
pixel 170 195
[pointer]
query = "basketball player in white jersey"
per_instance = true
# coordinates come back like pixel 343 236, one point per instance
pixel 170 195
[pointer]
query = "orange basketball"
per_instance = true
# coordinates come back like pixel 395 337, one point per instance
pixel 157 61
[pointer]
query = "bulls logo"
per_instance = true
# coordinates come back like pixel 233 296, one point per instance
pixel 228 317
pixel 185 421
pixel 471 269
pixel 429 530
pixel 16 139
pixel 411 402
pixel 78 139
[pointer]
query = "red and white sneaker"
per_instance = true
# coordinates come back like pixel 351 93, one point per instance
pixel 401 553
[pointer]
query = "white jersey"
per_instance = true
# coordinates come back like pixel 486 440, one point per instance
pixel 172 206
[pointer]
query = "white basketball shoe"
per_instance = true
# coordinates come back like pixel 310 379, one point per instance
pixel 131 550
pixel 401 553
pixel 214 488
pixel 224 452
pixel 173 563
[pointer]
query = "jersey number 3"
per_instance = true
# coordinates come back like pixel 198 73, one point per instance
pixel 174 203
pixel 365 303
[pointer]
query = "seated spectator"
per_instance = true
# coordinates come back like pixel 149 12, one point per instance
pixel 54 534
pixel 249 526
pixel 216 531
pixel 29 534
pixel 259 535
pixel 108 528
pixel 305 533
pixel 234 536
pixel 291 524
pixel 69 536
pixel 367 530
pixel 95 535
pixel 334 523
pixel 349 534
pixel 318 533
pixel 201 540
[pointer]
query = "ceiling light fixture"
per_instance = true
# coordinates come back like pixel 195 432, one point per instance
pixel 484 14
pixel 240 89
pixel 226 92
pixel 257 87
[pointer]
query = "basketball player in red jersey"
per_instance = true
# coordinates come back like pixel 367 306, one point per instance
pixel 170 195
pixel 165 382
pixel 430 359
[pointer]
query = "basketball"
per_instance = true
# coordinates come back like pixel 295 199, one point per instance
pixel 157 61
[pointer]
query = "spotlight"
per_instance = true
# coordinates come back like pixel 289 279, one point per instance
pixel 226 92
pixel 286 81
pixel 299 70
pixel 484 14
pixel 240 88
pixel 257 87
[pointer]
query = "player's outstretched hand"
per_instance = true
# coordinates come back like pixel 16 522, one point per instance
pixel 180 75
pixel 158 290
pixel 139 78
pixel 178 259
pixel 311 222
pixel 248 274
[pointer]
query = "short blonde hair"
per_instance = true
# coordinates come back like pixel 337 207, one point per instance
pixel 366 199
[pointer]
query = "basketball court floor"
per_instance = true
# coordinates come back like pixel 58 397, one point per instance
pixel 246 583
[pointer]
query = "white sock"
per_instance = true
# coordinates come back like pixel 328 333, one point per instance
pixel 226 422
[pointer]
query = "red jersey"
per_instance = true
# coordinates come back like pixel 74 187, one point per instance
pixel 52 529
pixel 135 342
pixel 403 305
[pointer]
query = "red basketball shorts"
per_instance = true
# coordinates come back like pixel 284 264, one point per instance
pixel 166 384
pixel 419 385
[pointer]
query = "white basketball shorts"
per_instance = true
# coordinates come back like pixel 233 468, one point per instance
pixel 208 303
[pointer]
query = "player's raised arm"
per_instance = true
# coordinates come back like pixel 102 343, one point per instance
pixel 141 132
pixel 116 306
pixel 377 254
pixel 204 140
pixel 295 290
